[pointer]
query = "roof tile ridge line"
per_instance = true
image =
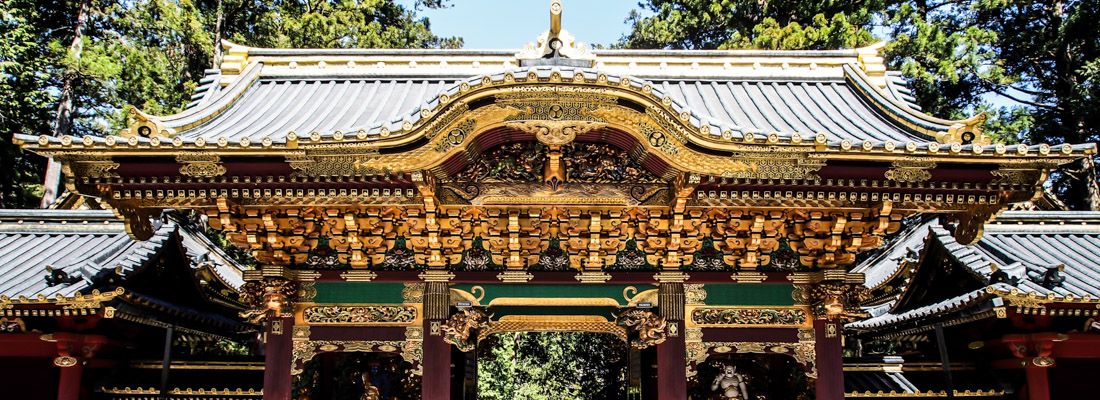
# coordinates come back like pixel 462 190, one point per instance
pixel 883 101
pixel 205 242
pixel 728 52
pixel 56 214
pixel 211 108
pixel 897 269
pixel 414 115
pixel 946 238
pixel 971 297
pixel 929 237
pixel 154 246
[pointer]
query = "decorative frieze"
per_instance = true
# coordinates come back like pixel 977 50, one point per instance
pixel 728 317
pixel 360 315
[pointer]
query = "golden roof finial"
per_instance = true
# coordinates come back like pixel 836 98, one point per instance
pixel 555 17
pixel 556 42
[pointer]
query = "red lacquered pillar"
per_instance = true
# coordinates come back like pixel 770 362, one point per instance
pixel 68 384
pixel 830 362
pixel 277 354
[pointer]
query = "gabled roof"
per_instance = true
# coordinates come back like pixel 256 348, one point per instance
pixel 81 245
pixel 276 96
pixel 1024 256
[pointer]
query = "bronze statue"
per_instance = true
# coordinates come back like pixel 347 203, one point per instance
pixel 730 384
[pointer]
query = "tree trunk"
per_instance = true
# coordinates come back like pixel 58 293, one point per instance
pixel 1091 185
pixel 218 37
pixel 63 125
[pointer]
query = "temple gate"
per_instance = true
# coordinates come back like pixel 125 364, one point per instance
pixel 701 204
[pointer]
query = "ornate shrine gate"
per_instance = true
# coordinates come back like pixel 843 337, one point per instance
pixel 404 201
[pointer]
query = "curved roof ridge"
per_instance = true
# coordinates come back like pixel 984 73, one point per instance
pixel 942 130
pixel 210 108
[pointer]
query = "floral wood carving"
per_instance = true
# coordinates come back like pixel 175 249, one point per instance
pixel 360 315
pixel 750 316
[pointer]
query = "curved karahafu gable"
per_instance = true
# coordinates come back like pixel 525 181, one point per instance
pixel 593 159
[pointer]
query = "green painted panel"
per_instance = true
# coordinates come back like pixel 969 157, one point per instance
pixel 359 292
pixel 494 291
pixel 751 294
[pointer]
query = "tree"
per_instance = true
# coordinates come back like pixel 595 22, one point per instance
pixel 551 366
pixel 732 24
pixel 25 106
pixel 1033 65
pixel 74 65
pixel 1040 57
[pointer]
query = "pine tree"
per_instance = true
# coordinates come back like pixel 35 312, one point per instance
pixel 73 66
pixel 1033 65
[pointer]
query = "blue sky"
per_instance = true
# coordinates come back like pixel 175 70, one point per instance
pixel 509 24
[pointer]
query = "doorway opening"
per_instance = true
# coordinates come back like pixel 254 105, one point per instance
pixel 557 365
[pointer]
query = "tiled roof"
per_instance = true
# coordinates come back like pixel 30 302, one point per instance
pixel 1044 254
pixel 900 380
pixel 1027 245
pixel 946 306
pixel 82 244
pixel 79 243
pixel 906 245
pixel 273 106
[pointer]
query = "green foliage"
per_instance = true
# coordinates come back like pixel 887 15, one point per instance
pixel 1041 57
pixel 1032 65
pixel 551 366
pixel 733 24
pixel 330 24
pixel 151 53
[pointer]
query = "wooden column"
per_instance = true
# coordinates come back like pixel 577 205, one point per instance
pixel 672 354
pixel 830 362
pixel 277 354
pixel 68 384
pixel 1038 383
pixel 436 381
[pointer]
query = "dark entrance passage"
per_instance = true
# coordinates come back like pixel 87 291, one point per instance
pixel 356 376
pixel 554 366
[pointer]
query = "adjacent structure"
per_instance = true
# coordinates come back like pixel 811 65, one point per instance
pixel 1022 303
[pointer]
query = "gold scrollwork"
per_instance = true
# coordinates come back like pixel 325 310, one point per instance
pixel 695 293
pixel 304 350
pixel 910 171
pixel 751 316
pixel 200 165
pixel 360 315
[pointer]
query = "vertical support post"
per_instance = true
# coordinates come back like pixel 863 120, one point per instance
pixel 166 362
pixel 436 382
pixel 68 384
pixel 277 358
pixel 672 354
pixel 944 360
pixel 1038 383
pixel 830 362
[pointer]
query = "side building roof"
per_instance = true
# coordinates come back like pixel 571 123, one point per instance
pixel 47 253
pixel 1024 257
